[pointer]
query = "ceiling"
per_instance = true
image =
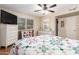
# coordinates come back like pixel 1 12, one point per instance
pixel 29 8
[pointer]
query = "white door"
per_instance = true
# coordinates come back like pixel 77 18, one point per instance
pixel 61 27
pixel 70 27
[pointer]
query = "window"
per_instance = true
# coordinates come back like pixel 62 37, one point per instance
pixel 21 23
pixel 25 23
pixel 29 24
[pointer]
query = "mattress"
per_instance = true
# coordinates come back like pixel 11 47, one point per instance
pixel 45 45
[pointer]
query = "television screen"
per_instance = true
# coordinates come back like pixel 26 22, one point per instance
pixel 8 18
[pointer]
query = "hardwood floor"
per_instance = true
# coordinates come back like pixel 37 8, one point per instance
pixel 5 51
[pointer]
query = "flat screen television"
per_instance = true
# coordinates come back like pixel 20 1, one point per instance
pixel 8 18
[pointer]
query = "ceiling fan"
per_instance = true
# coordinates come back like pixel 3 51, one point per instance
pixel 45 7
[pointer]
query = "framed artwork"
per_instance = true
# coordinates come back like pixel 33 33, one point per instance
pixel 62 23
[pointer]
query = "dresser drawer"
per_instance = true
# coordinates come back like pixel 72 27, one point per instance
pixel 11 41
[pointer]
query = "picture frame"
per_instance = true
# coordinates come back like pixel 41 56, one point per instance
pixel 62 23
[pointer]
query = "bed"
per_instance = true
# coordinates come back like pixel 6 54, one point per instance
pixel 45 45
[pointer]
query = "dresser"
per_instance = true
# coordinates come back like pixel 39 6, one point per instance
pixel 8 34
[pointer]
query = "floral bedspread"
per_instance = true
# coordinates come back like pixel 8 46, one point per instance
pixel 46 45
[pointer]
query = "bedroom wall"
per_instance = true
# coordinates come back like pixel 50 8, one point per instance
pixel 69 10
pixel 38 21
pixel 78 27
pixel 68 13
pixel 71 27
pixel 51 21
pixel 22 15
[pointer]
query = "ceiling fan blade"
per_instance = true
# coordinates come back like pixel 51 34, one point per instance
pixel 37 10
pixel 52 6
pixel 40 5
pixel 51 11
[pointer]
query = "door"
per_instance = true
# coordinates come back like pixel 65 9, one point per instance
pixel 61 27
pixel 56 27
pixel 70 27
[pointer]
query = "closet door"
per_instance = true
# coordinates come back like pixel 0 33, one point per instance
pixel 61 27
pixel 70 27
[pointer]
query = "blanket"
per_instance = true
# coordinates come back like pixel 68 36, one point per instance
pixel 46 45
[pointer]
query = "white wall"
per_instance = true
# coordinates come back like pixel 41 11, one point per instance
pixel 51 21
pixel 51 17
pixel 21 15
pixel 70 27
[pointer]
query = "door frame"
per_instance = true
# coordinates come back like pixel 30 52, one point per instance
pixel 56 26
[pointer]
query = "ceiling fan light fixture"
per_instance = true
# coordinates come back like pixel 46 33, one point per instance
pixel 45 9
pixel 44 12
